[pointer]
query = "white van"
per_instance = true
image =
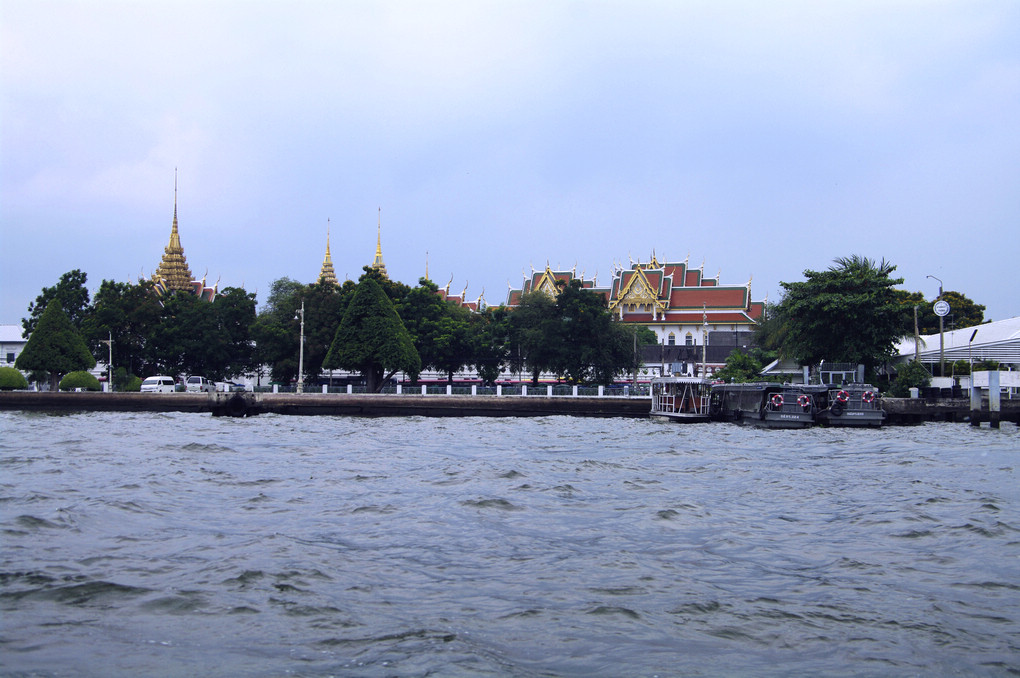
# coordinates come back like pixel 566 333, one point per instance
pixel 158 384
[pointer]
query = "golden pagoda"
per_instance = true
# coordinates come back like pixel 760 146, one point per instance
pixel 377 263
pixel 173 274
pixel 327 274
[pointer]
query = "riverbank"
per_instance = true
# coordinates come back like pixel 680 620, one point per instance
pixel 899 410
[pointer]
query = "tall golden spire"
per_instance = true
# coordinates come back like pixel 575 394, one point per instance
pixel 173 271
pixel 377 263
pixel 327 274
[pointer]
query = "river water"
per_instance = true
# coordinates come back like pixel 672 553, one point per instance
pixel 183 545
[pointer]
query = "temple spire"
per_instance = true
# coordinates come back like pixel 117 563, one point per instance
pixel 173 273
pixel 377 263
pixel 327 274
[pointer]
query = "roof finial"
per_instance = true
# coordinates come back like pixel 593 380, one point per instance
pixel 378 264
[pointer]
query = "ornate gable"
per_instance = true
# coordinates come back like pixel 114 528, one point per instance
pixel 637 293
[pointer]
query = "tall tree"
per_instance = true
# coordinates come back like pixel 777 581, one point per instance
pixel 421 310
pixel 371 338
pixel 130 313
pixel 533 325
pixel 589 346
pixel 55 346
pixel 234 314
pixel 848 313
pixel 491 337
pixel 72 294
pixel 276 330
pixel 963 312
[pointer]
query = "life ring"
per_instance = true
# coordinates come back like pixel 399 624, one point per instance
pixel 777 400
pixel 842 396
pixel 868 396
pixel 803 400
pixel 836 409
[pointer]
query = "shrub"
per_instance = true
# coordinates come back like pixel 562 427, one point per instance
pixel 82 380
pixel 911 375
pixel 131 383
pixel 11 378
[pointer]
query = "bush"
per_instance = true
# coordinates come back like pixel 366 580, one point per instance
pixel 911 375
pixel 11 378
pixel 131 383
pixel 82 380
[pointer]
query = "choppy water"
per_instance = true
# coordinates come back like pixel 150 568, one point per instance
pixel 181 545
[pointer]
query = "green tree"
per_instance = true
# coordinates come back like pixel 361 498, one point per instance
pixel 911 375
pixel 130 313
pixel 532 334
pixel 848 313
pixel 55 346
pixel 72 294
pixel 491 337
pixel 963 312
pixel 589 347
pixel 11 378
pixel 186 340
pixel 421 310
pixel 324 306
pixel 276 330
pixel 454 343
pixel 371 338
pixel 740 367
pixel 234 352
pixel 80 379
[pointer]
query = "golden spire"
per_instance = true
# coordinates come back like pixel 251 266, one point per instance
pixel 173 270
pixel 377 263
pixel 327 274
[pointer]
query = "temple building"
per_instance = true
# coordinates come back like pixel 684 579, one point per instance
pixel 377 263
pixel 173 274
pixel 679 304
pixel 327 274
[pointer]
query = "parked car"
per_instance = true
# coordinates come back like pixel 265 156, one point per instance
pixel 158 384
pixel 199 384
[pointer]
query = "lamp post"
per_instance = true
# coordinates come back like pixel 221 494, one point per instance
pixel 704 341
pixel 301 352
pixel 942 336
pixel 109 364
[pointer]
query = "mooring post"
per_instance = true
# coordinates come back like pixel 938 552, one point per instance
pixel 994 403
pixel 975 402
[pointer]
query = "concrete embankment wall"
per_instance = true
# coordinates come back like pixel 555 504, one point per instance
pixel 372 405
pixel 899 410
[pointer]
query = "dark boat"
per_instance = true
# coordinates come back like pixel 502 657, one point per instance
pixel 847 405
pixel 682 399
pixel 763 404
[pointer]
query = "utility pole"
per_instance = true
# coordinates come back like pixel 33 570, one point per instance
pixel 941 309
pixel 109 364
pixel 301 353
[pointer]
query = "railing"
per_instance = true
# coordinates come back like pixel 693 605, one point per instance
pixel 500 390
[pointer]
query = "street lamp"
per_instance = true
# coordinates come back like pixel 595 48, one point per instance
pixel 942 336
pixel 301 352
pixel 109 364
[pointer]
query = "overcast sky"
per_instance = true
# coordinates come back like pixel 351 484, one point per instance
pixel 761 138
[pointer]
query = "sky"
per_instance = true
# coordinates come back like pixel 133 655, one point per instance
pixel 487 137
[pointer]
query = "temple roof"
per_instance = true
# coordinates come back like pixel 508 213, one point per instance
pixel 377 263
pixel 173 271
pixel 327 274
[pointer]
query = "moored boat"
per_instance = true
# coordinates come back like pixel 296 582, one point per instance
pixel 763 404
pixel 847 405
pixel 682 399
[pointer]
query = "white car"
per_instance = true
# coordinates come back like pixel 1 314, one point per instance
pixel 199 384
pixel 158 384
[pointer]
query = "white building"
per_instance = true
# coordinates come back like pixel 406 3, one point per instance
pixel 999 341
pixel 11 344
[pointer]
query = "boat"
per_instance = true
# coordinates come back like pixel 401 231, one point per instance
pixel 682 399
pixel 847 405
pixel 765 404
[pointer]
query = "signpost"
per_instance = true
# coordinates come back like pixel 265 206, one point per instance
pixel 941 310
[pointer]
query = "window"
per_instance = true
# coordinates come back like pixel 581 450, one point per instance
pixel 10 357
pixel 690 339
pixel 672 339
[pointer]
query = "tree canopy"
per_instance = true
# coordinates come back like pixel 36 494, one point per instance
pixel 55 346
pixel 72 294
pixel 848 313
pixel 371 338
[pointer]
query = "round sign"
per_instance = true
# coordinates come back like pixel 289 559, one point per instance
pixel 941 308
